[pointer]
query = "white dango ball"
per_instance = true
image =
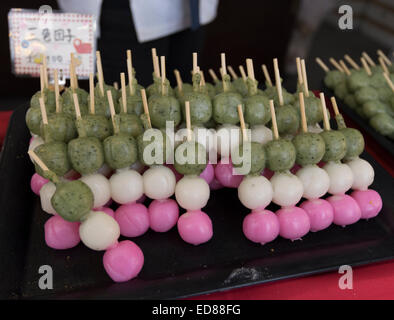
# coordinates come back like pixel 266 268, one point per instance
pixel 227 138
pixel 261 134
pixel 315 181
pixel 255 192
pixel 100 187
pixel 192 193
pixel 99 231
pixel 46 193
pixel 36 141
pixel 341 177
pixel 288 189
pixel 126 186
pixel 363 173
pixel 159 182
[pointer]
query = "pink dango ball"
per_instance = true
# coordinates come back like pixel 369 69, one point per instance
pixel 61 234
pixel 106 210
pixel 208 174
pixel 320 212
pixel 123 261
pixel 215 184
pixel 195 227
pixel 294 223
pixel 369 201
pixel 224 174
pixel 346 209
pixel 133 219
pixel 163 214
pixel 37 182
pixel 261 226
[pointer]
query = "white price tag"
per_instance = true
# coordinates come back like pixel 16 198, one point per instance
pixel 35 35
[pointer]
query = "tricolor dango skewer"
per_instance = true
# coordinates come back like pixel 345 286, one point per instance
pixel 287 188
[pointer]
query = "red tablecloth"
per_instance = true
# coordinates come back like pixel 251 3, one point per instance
pixel 369 282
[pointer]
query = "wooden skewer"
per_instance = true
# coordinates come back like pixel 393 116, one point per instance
pixel 76 105
pixel 42 81
pixel 45 71
pixel 43 111
pixel 344 67
pixel 384 67
pixel 91 93
pixel 243 73
pixel 324 108
pixel 202 78
pixel 304 78
pixel 273 120
pixel 130 75
pixel 74 70
pixel 278 82
pixel 336 64
pixel 178 80
pixel 112 111
pixel 385 58
pixel 335 106
pixel 352 62
pixel 242 122
pixel 194 62
pixel 223 60
pixel 322 64
pixel 303 115
pixel 123 87
pixel 232 72
pixel 389 82
pixel 72 78
pixel 155 63
pixel 249 67
pixel 213 75
pixel 163 72
pixel 37 160
pixel 366 66
pixel 299 71
pixel 56 80
pixel 100 72
pixel 266 75
pixel 145 104
pixel 188 121
pixel 368 58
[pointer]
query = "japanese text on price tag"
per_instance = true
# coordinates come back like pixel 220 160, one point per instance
pixel 35 36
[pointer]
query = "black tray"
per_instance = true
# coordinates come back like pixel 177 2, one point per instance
pixel 385 142
pixel 172 269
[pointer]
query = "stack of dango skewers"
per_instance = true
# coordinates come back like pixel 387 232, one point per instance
pixel 104 137
pixel 368 89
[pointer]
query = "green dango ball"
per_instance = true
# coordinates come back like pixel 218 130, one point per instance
pixel 163 109
pixel 86 154
pixel 219 87
pixel 209 89
pixel 49 100
pixel 115 93
pixel 60 127
pixel 354 143
pixel 190 158
pixel 120 151
pixel 33 120
pixel 287 119
pixel 68 99
pixel 156 89
pixel 384 124
pixel 200 107
pixel 152 144
pixel 54 155
pixel 358 79
pixel 333 78
pixel 129 124
pixel 385 94
pixel 372 108
pixel 310 148
pixel 257 110
pixel 72 200
pixel 225 107
pixel 335 143
pixel 251 155
pixel 366 94
pixel 313 110
pixel 240 86
pixel 134 105
pixel 350 101
pixel 96 126
pixel 186 87
pixel 341 90
pixel 281 155
pixel 288 98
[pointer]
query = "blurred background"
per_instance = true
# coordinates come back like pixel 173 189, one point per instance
pixel 261 30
